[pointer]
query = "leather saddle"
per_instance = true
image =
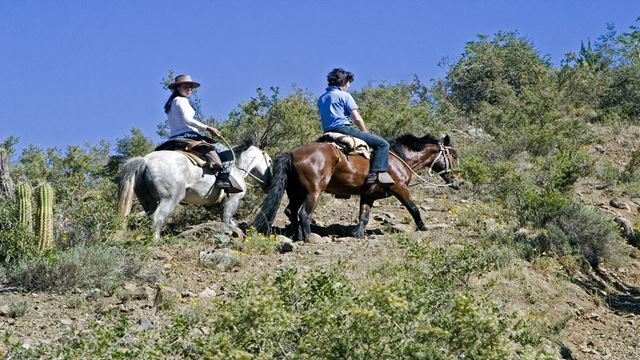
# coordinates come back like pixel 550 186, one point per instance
pixel 200 149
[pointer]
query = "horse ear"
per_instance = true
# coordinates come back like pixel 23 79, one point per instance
pixel 446 140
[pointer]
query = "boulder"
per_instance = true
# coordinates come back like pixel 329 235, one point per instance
pixel 219 231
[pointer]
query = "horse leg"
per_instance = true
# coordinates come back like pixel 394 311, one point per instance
pixel 292 210
pixel 310 202
pixel 366 203
pixel 165 207
pixel 230 207
pixel 402 194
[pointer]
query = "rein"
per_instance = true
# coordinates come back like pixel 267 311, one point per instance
pixel 235 163
pixel 444 151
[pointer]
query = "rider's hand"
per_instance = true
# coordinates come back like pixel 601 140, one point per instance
pixel 213 131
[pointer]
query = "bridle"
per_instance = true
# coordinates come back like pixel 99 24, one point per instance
pixel 235 162
pixel 444 151
pixel 264 156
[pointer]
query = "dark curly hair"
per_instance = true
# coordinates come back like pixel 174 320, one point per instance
pixel 338 76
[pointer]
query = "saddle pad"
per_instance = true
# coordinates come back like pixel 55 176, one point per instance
pixel 195 160
pixel 348 144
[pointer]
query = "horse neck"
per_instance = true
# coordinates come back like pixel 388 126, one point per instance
pixel 246 161
pixel 420 159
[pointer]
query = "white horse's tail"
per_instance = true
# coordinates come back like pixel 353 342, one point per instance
pixel 129 176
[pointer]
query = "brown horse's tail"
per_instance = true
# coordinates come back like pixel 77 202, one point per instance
pixel 282 167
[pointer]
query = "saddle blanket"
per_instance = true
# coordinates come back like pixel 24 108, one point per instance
pixel 195 160
pixel 347 144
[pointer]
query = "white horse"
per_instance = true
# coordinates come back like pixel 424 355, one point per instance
pixel 163 179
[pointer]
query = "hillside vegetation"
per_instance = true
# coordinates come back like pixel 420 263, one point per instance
pixel 535 258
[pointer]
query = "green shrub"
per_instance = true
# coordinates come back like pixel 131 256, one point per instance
pixel 631 171
pixel 256 243
pixel 85 267
pixel 567 228
pixel 320 315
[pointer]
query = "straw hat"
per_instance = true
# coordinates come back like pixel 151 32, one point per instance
pixel 183 79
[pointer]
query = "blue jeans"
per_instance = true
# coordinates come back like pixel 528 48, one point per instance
pixel 380 146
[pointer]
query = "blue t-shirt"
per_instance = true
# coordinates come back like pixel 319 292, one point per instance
pixel 335 106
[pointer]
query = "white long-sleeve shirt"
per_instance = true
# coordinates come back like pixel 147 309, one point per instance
pixel 181 117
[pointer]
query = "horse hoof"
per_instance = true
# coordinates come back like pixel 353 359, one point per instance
pixel 359 234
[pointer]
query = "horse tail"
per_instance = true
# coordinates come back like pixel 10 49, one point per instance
pixel 282 167
pixel 128 177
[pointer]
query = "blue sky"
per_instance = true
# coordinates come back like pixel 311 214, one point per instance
pixel 82 71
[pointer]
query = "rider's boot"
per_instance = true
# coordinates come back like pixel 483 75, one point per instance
pixel 383 178
pixel 225 181
pixel 213 160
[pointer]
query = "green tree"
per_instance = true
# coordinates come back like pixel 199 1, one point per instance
pixel 276 124
pixel 390 110
pixel 492 70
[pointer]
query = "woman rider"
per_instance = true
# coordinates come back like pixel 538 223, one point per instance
pixel 181 121
pixel 338 112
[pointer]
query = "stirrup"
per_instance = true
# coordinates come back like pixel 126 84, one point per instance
pixel 234 187
pixel 385 179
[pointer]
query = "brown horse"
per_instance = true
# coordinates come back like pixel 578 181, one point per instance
pixel 308 171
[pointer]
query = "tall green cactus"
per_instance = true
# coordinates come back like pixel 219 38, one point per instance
pixel 25 209
pixel 45 216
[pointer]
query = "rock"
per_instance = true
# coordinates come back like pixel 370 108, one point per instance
pixel 92 294
pixel 436 226
pixel 207 293
pixel 600 148
pixel 478 133
pixel 318 252
pixel 286 244
pixel 219 231
pixel 317 239
pixel 160 254
pixel 627 229
pixel 378 217
pixel 66 322
pixel 619 204
pixel 490 224
pixel 131 287
pixel 389 215
pixel 222 259
pixel 187 294
pixel 4 310
pixel 144 324
pixel 636 201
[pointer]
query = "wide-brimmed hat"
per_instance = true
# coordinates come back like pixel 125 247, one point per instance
pixel 183 79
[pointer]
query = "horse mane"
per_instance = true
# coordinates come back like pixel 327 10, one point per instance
pixel 411 142
pixel 243 146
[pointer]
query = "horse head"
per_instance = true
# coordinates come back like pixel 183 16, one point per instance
pixel 428 151
pixel 254 162
pixel 443 161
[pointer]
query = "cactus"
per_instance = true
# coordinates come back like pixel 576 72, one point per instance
pixel 25 210
pixel 45 216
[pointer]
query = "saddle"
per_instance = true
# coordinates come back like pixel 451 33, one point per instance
pixel 349 145
pixel 198 151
